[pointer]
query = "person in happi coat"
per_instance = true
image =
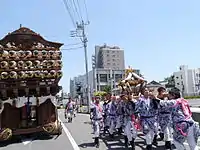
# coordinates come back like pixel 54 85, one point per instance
pixel 97 121
pixel 147 109
pixel 69 110
pixel 112 110
pixel 164 119
pixel 106 112
pixel 119 121
pixel 184 127
pixel 92 105
pixel 130 132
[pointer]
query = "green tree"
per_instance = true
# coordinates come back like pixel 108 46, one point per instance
pixel 99 93
pixel 170 81
pixel 107 89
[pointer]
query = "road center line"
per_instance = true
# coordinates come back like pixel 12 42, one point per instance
pixel 71 139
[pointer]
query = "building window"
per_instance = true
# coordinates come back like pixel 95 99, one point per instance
pixel 102 87
pixel 113 55
pixel 178 84
pixel 176 77
pixel 118 77
pixel 181 77
pixel 103 78
pixel 108 55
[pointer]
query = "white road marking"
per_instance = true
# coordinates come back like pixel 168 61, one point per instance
pixel 27 141
pixel 71 139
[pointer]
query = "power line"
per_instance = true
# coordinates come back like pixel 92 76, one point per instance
pixel 68 9
pixel 76 9
pixel 79 8
pixel 73 9
pixel 68 49
pixel 87 16
pixel 73 44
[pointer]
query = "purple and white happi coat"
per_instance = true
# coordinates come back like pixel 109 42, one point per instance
pixel 164 118
pixel 106 114
pixel 129 128
pixel 112 110
pixel 119 114
pixel 97 120
pixel 147 109
pixel 180 122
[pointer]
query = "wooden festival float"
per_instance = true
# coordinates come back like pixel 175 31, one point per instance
pixel 30 69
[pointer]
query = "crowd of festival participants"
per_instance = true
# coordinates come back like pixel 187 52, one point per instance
pixel 165 115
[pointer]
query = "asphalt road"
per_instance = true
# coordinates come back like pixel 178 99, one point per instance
pixel 76 136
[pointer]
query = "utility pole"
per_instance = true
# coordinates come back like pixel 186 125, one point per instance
pixel 94 72
pixel 82 35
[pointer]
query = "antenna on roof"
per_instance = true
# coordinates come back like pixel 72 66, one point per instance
pixel 20 25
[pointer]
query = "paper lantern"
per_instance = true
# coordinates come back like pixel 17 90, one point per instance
pixel 44 53
pixel 4 64
pixel 52 73
pixel 59 74
pixel 28 64
pixel 5 54
pixel 12 64
pixel 28 54
pixel 35 53
pixel 58 63
pixel 4 75
pixel 12 54
pixel 51 53
pixel 21 54
pixel 21 75
pixel 44 64
pixel 58 54
pixel 21 64
pixel 37 64
pixel 38 74
pixel 46 74
pixel 13 75
pixel 29 74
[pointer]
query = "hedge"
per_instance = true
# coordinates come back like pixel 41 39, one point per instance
pixel 192 97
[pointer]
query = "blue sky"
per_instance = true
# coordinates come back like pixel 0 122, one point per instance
pixel 156 35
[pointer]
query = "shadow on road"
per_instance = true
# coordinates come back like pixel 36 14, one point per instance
pixel 117 143
pixel 86 145
pixel 32 137
pixel 13 140
pixel 88 122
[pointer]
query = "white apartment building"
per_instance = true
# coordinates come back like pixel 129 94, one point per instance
pixel 187 80
pixel 81 79
pixel 109 57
